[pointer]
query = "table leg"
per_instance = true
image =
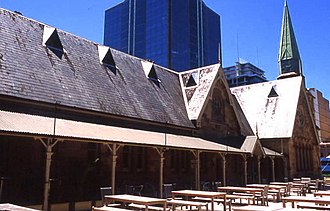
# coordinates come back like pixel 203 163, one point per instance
pixel 146 208
pixel 212 204
pixel 225 203
pixel 283 202
pixel 292 204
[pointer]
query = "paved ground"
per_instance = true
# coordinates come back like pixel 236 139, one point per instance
pixel 271 205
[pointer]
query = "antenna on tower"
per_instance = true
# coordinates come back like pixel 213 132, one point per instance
pixel 258 56
pixel 237 47
pixel 238 65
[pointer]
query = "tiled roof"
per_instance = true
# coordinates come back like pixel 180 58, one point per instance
pixel 29 70
pixel 270 107
pixel 11 122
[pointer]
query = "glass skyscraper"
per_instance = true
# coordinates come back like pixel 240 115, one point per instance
pixel 178 34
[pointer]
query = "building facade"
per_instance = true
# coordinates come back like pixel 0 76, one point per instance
pixel 76 116
pixel 322 120
pixel 280 112
pixel 179 35
pixel 244 73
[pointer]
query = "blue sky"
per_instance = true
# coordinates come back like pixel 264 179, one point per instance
pixel 254 26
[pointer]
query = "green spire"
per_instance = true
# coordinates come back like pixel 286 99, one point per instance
pixel 288 57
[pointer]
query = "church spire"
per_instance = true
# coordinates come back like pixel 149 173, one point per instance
pixel 288 57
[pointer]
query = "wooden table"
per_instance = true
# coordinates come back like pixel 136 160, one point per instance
pixel 299 186
pixel 276 189
pixel 206 194
pixel 9 207
pixel 286 184
pixel 293 199
pixel 142 200
pixel 253 191
pixel 279 189
pixel 322 193
pixel 279 183
pixel 322 184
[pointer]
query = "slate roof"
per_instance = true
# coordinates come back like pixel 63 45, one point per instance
pixel 29 70
pixel 270 107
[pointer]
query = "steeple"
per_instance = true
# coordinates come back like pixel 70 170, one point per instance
pixel 288 57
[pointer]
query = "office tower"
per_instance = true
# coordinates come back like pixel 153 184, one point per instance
pixel 244 73
pixel 180 34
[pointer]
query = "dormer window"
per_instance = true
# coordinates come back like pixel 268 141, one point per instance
pixel 150 71
pixel 52 41
pixel 273 92
pixel 106 58
pixel 193 79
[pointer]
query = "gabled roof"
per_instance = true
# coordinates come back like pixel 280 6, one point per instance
pixel 269 152
pixel 247 144
pixel 29 70
pixel 250 144
pixel 270 116
pixel 245 127
pixel 195 95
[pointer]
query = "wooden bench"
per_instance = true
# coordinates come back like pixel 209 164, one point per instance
pixel 217 200
pixel 142 207
pixel 315 207
pixel 191 204
pixel 105 208
pixel 273 194
pixel 249 198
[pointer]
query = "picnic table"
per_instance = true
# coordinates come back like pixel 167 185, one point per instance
pixel 141 200
pixel 249 190
pixel 206 194
pixel 299 188
pixel 294 199
pixel 272 189
pixel 286 184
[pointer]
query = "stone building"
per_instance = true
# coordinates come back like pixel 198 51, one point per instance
pixel 244 73
pixel 76 116
pixel 280 113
